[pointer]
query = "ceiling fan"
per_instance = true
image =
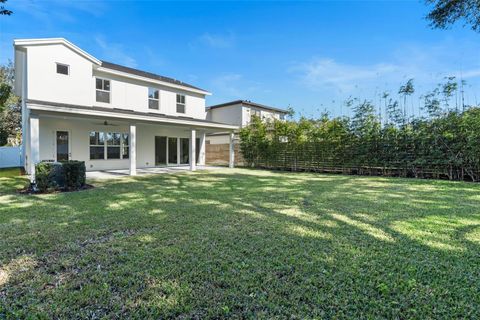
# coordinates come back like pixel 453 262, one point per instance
pixel 106 123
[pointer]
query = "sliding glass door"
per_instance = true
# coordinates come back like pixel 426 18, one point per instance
pixel 160 151
pixel 184 150
pixel 175 150
pixel 172 151
pixel 197 150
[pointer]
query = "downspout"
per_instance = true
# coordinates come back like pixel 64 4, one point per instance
pixel 25 113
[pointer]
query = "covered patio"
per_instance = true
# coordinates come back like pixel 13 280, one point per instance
pixel 117 142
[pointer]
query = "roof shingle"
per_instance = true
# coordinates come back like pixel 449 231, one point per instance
pixel 146 74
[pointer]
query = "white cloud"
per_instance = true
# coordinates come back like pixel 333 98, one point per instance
pixel 326 72
pixel 469 74
pixel 230 86
pixel 115 52
pixel 426 64
pixel 217 41
pixel 50 11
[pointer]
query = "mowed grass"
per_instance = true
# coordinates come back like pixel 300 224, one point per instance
pixel 9 172
pixel 242 244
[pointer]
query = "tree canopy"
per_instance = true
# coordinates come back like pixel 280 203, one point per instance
pixel 447 12
pixel 10 109
pixel 4 11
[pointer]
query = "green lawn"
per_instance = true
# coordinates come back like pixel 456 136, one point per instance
pixel 9 172
pixel 243 244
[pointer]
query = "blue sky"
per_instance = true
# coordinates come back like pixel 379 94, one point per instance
pixel 309 55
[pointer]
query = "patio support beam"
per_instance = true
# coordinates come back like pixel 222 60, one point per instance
pixel 133 150
pixel 201 152
pixel 34 145
pixel 231 159
pixel 192 157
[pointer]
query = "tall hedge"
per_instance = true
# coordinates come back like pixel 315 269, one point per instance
pixel 444 144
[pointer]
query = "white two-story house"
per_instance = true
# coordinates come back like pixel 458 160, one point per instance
pixel 77 107
pixel 239 113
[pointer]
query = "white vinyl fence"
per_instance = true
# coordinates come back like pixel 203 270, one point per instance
pixel 10 157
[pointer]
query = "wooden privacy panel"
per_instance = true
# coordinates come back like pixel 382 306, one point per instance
pixel 218 154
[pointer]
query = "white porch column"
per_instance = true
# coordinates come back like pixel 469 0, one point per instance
pixel 192 157
pixel 34 145
pixel 201 153
pixel 232 151
pixel 133 150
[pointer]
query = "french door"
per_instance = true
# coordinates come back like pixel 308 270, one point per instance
pixel 173 150
pixel 62 142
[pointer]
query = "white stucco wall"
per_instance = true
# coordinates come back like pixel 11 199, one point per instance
pixel 78 88
pixel 239 114
pixel 18 61
pixel 44 83
pixel 218 139
pixel 80 146
pixel 230 114
pixel 132 94
pixel 266 115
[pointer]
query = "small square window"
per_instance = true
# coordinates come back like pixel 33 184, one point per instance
pixel 63 69
pixel 102 87
pixel 153 98
pixel 180 103
pixel 180 108
pixel 180 98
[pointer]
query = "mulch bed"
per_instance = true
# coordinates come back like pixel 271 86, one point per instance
pixel 28 190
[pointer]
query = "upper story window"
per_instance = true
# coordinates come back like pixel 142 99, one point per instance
pixel 63 69
pixel 254 112
pixel 103 90
pixel 153 98
pixel 180 103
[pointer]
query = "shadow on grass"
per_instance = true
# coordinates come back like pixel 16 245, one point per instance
pixel 244 243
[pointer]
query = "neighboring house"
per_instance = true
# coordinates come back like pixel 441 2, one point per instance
pixel 239 113
pixel 77 107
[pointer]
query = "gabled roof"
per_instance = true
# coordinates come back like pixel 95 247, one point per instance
pixel 47 41
pixel 146 74
pixel 247 103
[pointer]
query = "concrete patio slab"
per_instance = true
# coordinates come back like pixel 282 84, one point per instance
pixel 112 174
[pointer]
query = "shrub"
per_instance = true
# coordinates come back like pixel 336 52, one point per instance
pixel 74 174
pixel 49 176
pixel 69 175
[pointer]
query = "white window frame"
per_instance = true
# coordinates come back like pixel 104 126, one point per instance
pixel 119 145
pixel 103 89
pixel 105 145
pixel 184 104
pixel 69 143
pixel 63 65
pixel 123 145
pixel 255 112
pixel 96 145
pixel 154 99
